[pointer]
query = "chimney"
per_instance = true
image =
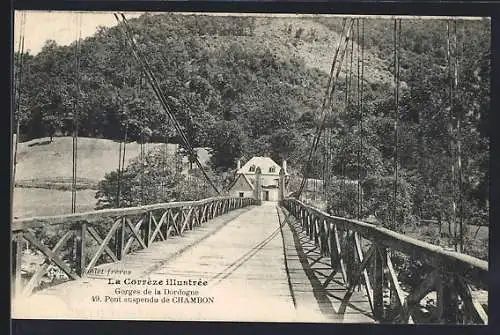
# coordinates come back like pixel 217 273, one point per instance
pixel 284 165
pixel 238 164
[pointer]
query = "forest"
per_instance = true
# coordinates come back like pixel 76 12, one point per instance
pixel 240 100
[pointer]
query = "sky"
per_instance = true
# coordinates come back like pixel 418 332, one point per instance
pixel 62 27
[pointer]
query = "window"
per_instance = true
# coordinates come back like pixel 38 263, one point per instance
pixel 241 194
pixel 252 168
pixel 272 169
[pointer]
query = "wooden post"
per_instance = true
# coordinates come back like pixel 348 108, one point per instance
pixel 17 252
pixel 350 257
pixel 83 249
pixel 334 256
pixel 378 286
pixel 120 239
pixel 258 186
pixel 446 299
pixel 281 195
pixel 147 230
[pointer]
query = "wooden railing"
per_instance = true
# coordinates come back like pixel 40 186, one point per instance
pixel 83 240
pixel 364 253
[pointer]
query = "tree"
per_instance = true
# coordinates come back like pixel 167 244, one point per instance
pixel 227 142
pixel 156 179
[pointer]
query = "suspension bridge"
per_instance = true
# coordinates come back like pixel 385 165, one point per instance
pixel 241 258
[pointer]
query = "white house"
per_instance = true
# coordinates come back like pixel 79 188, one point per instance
pixel 247 179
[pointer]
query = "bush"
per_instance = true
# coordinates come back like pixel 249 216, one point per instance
pixel 378 200
pixel 158 178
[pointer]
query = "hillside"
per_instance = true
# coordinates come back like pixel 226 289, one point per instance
pixel 304 39
pixel 259 74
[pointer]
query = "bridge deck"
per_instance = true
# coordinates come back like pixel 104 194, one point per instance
pixel 254 268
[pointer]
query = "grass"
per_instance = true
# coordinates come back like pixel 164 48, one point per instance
pixel 44 172
pixel 29 202
pixel 51 161
pixel 62 184
pixel 39 159
pixel 476 245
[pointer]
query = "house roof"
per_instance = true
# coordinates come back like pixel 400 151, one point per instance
pixel 244 179
pixel 265 163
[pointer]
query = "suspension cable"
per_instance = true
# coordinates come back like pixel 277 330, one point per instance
pixel 126 30
pixel 123 142
pixel 361 116
pixel 459 144
pixel 358 103
pixel 327 100
pixel 17 93
pixel 450 128
pixel 343 156
pixel 118 176
pixel 342 143
pixel 397 38
pixel 76 113
pixel 142 147
pixel 350 98
pixel 455 145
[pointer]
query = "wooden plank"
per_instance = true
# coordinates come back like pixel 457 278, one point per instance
pixel 340 253
pixel 103 245
pixel 361 258
pixel 186 220
pixel 312 294
pixel 50 255
pixel 158 225
pixel 473 308
pixel 352 284
pixel 147 230
pixel 131 237
pixel 447 300
pixel 378 282
pixel 95 235
pixel 20 224
pixel 476 269
pixel 34 280
pixel 136 231
pixel 413 299
pixel 83 248
pixel 174 222
pixel 396 289
pixel 17 252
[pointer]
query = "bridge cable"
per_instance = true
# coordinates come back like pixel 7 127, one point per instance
pixel 143 153
pixel 361 44
pixel 397 38
pixel 328 89
pixel 452 64
pixel 17 95
pixel 327 101
pixel 459 146
pixel 146 68
pixel 358 116
pixel 155 86
pixel 123 142
pixel 347 103
pixel 349 107
pixel 76 112
pixel 126 30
